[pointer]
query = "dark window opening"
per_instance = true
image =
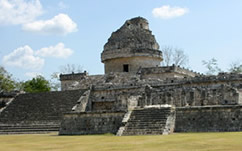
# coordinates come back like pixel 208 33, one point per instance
pixel 141 25
pixel 126 68
pixel 225 101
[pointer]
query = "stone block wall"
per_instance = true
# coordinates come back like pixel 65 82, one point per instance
pixel 208 119
pixel 91 123
pixel 114 99
pixel 217 94
pixel 134 64
pixel 167 72
pixel 84 82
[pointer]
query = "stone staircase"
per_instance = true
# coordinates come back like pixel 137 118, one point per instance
pixel 37 112
pixel 150 121
pixel 28 128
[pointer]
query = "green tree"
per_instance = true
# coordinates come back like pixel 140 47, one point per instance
pixel 6 81
pixel 38 84
pixel 212 66
pixel 235 67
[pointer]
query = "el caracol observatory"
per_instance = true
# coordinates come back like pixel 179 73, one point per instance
pixel 135 96
pixel 131 47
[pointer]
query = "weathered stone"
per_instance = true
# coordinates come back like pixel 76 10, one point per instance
pixel 151 120
pixel 209 119
pixel 131 47
pixel 135 96
pixel 91 123
pixel 37 112
pixel 134 80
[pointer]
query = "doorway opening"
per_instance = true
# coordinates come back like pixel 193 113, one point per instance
pixel 125 68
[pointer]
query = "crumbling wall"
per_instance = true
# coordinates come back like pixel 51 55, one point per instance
pixel 84 82
pixel 91 123
pixel 195 96
pixel 119 99
pixel 208 119
pixel 166 72
pixel 75 81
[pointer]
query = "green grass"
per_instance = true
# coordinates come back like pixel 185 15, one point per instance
pixel 175 142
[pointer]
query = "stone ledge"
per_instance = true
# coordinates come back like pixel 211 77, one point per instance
pixel 93 112
pixel 209 107
pixel 123 53
pixel 73 76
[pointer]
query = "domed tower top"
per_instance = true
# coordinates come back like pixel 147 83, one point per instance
pixel 131 47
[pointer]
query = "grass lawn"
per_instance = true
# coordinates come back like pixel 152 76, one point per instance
pixel 230 141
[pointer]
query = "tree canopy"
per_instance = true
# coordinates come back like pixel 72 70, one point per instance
pixel 212 66
pixel 235 67
pixel 6 81
pixel 38 84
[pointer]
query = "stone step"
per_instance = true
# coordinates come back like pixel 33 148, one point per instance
pixel 151 116
pixel 138 132
pixel 147 121
pixel 26 129
pixel 145 125
pixel 22 130
pixel 146 118
pixel 143 132
pixel 148 110
pixel 145 128
pixel 46 106
pixel 152 113
pixel 13 128
pixel 26 132
pixel 27 125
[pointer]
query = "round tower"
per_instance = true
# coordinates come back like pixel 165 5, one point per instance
pixel 131 47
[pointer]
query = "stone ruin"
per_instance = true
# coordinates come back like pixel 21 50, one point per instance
pixel 135 96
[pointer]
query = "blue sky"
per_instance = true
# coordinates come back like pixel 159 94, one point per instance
pixel 40 36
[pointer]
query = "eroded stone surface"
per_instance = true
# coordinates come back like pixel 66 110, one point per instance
pixel 133 46
pixel 134 96
pixel 134 80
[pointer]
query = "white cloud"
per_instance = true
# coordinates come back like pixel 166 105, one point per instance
pixel 19 11
pixel 58 51
pixel 61 24
pixel 167 12
pixel 26 58
pixel 32 74
pixel 23 57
